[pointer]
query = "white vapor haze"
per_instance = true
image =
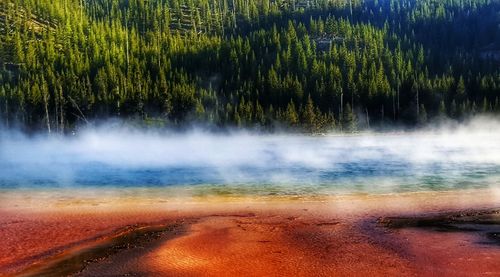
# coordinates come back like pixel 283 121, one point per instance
pixel 435 155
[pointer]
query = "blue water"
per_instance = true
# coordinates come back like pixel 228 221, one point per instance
pixel 252 164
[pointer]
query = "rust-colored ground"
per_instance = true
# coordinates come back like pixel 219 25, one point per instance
pixel 276 246
pixel 334 237
pixel 451 254
pixel 30 238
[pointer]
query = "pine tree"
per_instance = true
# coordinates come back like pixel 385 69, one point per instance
pixel 349 119
pixel 291 114
pixel 308 115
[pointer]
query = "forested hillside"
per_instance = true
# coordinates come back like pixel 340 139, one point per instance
pixel 310 65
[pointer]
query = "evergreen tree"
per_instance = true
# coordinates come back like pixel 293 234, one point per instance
pixel 291 114
pixel 349 119
pixel 65 63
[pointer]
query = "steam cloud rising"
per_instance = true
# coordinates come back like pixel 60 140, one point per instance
pixel 442 158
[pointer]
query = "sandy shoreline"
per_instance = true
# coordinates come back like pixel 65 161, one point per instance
pixel 223 237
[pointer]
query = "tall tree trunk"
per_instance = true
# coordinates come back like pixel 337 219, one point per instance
pixel 341 101
pixel 382 112
pixel 367 118
pixel 56 112
pixel 6 112
pixel 418 105
pixel 46 102
pixel 393 106
pixel 61 110
pixel 398 99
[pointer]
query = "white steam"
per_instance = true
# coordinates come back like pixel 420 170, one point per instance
pixel 241 157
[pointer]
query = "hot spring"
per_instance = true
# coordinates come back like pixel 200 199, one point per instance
pixel 199 163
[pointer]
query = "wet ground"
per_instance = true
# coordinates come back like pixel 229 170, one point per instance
pixel 392 235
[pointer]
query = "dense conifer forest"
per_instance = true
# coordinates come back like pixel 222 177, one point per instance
pixel 308 65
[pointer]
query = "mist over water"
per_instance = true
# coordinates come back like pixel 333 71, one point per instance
pixel 447 158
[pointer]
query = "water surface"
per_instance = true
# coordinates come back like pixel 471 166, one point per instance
pixel 200 163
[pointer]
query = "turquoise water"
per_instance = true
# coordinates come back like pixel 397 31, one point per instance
pixel 245 163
